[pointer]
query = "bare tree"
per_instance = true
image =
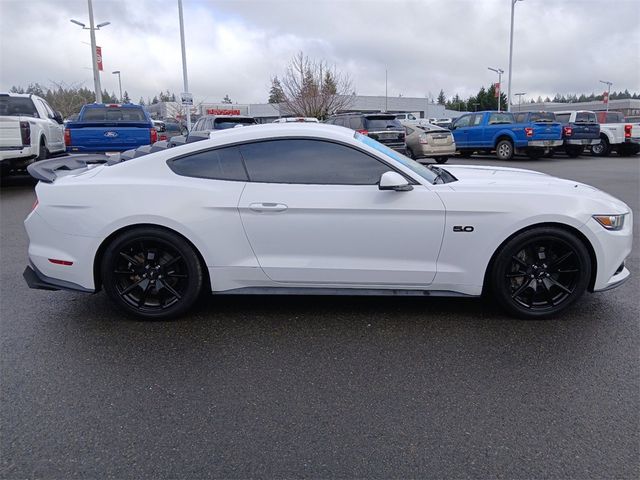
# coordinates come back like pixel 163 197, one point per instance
pixel 311 88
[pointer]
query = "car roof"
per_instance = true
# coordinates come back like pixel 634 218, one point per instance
pixel 22 95
pixel 576 111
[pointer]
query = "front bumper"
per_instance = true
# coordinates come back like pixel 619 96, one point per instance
pixel 544 143
pixel 583 141
pixel 616 280
pixel 39 281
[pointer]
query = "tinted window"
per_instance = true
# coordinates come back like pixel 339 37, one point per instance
pixel 310 161
pixel 586 117
pixel 222 123
pixel 13 106
pixel 498 118
pixel 613 117
pixel 355 123
pixel 113 114
pixel 563 117
pixel 382 123
pixel 219 164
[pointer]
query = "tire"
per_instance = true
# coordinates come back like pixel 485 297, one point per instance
pixel 442 159
pixel 151 273
pixel 535 153
pixel 540 272
pixel 573 152
pixel 602 149
pixel 504 150
pixel 43 152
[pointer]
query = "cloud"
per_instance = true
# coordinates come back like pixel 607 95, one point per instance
pixel 235 47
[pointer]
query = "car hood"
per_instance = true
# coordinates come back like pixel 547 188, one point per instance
pixel 493 179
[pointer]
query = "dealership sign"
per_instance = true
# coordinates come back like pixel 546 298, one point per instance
pixel 223 111
pixel 99 57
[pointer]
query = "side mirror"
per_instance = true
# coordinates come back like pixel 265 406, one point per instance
pixel 57 116
pixel 394 181
pixel 452 126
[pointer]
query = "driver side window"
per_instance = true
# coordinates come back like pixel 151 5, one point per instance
pixel 463 121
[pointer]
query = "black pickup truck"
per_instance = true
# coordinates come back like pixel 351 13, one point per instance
pixel 580 128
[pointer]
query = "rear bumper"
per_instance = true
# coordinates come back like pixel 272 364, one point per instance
pixel 544 143
pixel 437 150
pixel 39 281
pixel 102 149
pixel 633 140
pixel 582 141
pixel 19 154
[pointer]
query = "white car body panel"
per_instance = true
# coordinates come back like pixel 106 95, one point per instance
pixel 330 236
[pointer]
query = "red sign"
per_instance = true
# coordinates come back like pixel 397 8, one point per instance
pixel 497 87
pixel 99 57
pixel 221 111
pixel 605 97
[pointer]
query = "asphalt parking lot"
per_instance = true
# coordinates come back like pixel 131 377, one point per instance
pixel 320 387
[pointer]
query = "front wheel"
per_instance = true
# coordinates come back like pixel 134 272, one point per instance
pixel 442 159
pixel 540 272
pixel 504 150
pixel 151 273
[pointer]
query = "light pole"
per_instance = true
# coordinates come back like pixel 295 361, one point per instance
pixel 92 31
pixel 519 95
pixel 608 84
pixel 513 5
pixel 184 64
pixel 117 72
pixel 499 71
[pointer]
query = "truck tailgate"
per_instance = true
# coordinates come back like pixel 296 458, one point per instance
pixel 584 130
pixel 547 131
pixel 87 137
pixel 10 137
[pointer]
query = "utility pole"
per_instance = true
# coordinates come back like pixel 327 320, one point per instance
pixel 513 6
pixel 94 55
pixel 386 107
pixel 184 65
pixel 117 72
pixel 608 84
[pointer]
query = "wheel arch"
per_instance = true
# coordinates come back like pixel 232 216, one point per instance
pixel 568 228
pixel 504 136
pixel 97 260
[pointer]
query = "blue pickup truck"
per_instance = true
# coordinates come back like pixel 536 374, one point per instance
pixel 498 131
pixel 109 128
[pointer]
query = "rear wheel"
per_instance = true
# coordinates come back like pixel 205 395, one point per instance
pixel 152 273
pixel 540 272
pixel 602 149
pixel 504 150
pixel 43 152
pixel 442 159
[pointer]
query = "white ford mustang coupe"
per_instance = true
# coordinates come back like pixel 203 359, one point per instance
pixel 317 209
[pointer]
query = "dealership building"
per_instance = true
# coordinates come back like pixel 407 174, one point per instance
pixel 627 107
pixel 267 112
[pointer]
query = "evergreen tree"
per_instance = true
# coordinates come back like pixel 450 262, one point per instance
pixel 125 97
pixel 329 86
pixel 276 94
pixel 442 99
pixel 154 100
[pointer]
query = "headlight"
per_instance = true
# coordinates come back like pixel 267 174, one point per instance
pixel 610 222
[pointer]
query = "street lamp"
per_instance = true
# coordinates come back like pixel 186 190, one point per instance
pixel 608 84
pixel 499 71
pixel 117 72
pixel 519 95
pixel 513 5
pixel 92 31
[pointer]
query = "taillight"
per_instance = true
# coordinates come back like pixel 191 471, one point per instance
pixel 153 134
pixel 568 131
pixel 363 132
pixel 627 131
pixel 25 133
pixel 67 137
pixel 528 131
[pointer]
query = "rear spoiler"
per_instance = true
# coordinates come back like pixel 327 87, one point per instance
pixel 45 170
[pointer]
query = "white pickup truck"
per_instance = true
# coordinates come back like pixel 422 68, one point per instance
pixel 30 130
pixel 616 134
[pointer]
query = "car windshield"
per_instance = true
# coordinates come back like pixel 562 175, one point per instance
pixel 414 166
pixel 382 123
pixel 224 123
pixel 113 114
pixel 14 106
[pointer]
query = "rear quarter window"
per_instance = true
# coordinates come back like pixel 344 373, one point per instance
pixel 219 164
pixel 113 114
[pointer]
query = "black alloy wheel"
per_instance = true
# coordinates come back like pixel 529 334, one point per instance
pixel 540 272
pixel 152 273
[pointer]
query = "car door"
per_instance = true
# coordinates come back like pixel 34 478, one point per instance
pixel 460 131
pixel 56 141
pixel 475 132
pixel 46 124
pixel 314 215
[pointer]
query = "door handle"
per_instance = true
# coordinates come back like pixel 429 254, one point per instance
pixel 268 207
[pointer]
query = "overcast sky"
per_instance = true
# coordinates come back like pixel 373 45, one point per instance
pixel 235 46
